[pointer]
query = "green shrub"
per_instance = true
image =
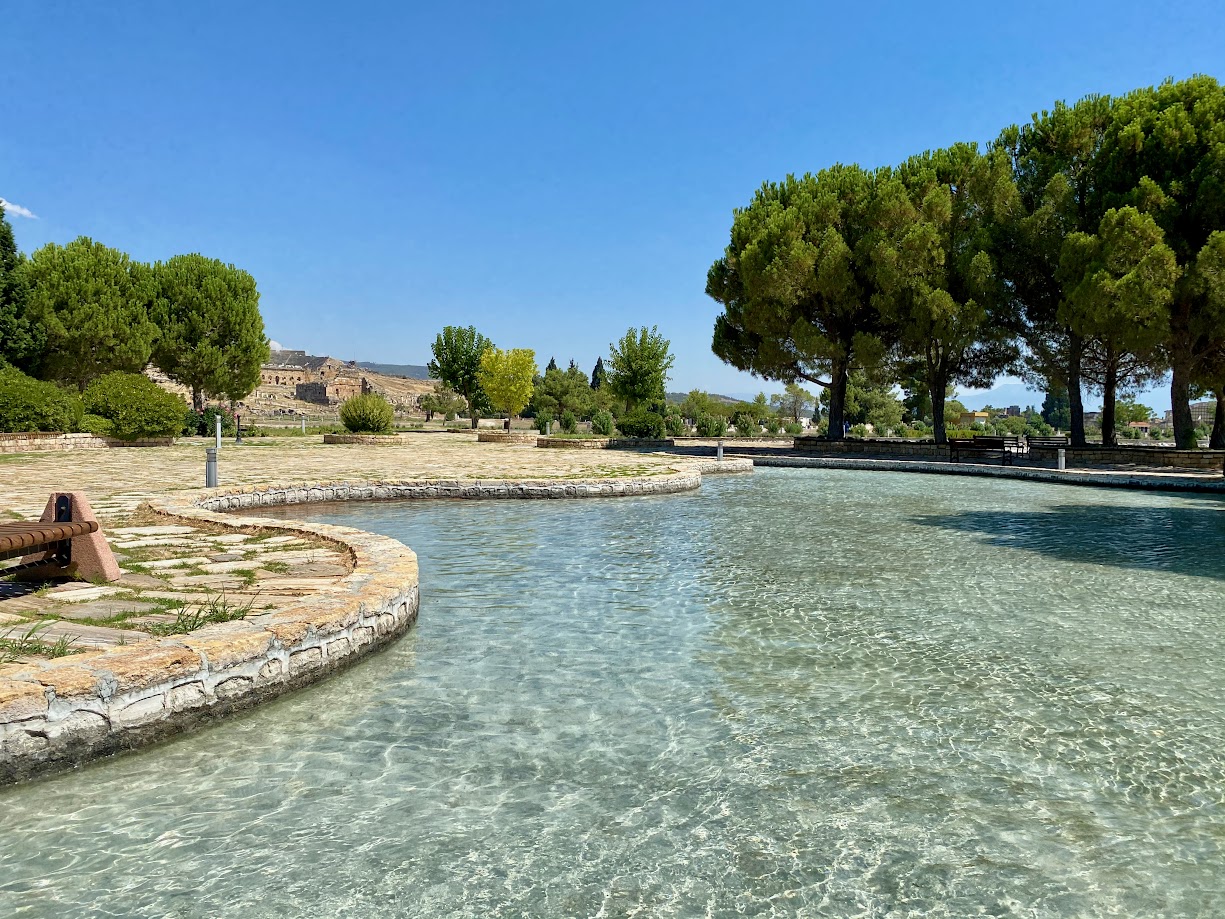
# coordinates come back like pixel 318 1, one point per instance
pixel 208 422
pixel 675 425
pixel 95 424
pixel 203 424
pixel 543 420
pixel 746 425
pixel 367 414
pixel 27 404
pixel 712 426
pixel 642 424
pixel 602 423
pixel 135 406
pixel 773 426
pixel 569 424
pixel 858 430
pixel 793 428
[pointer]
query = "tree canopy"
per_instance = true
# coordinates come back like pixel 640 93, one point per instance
pixel 797 283
pixel 92 303
pixel 506 378
pixel 457 354
pixel 20 339
pixel 212 335
pixel 1082 249
pixel 638 367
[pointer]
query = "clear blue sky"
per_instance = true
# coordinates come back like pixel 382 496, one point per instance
pixel 549 172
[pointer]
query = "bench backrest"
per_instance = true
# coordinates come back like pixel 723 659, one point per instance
pixel 996 440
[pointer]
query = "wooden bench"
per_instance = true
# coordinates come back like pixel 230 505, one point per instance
pixel 1002 445
pixel 1050 443
pixel 47 546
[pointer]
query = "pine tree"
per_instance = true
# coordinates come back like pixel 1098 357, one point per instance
pixel 598 374
pixel 20 340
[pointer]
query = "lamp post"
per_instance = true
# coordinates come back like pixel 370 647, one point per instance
pixel 238 422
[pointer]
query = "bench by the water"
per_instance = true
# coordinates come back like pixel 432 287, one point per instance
pixel 1049 442
pixel 67 540
pixel 988 445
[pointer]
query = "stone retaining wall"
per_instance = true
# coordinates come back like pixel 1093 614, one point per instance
pixel 1088 456
pixel 373 440
pixel 573 443
pixel 639 443
pixel 724 466
pixel 874 447
pixel 1132 480
pixel 479 489
pixel 62 712
pixel 502 437
pixel 35 441
pixel 1213 460
pixel 731 440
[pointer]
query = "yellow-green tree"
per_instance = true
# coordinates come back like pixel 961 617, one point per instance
pixel 506 377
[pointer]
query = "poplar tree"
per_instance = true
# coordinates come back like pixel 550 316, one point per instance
pixel 506 378
pixel 457 362
pixel 638 367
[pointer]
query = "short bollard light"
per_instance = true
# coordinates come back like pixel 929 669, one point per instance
pixel 217 418
pixel 1063 460
pixel 719 451
pixel 210 467
pixel 303 425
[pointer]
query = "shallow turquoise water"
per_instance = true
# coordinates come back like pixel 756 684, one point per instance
pixel 803 692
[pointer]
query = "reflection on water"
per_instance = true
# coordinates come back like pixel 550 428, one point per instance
pixel 804 693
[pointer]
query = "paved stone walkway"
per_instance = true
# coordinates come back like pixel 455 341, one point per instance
pixel 176 577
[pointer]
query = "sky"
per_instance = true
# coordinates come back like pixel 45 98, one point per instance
pixel 552 173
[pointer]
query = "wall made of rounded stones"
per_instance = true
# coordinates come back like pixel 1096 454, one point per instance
pixel 39 441
pixel 502 437
pixel 573 443
pixel 372 440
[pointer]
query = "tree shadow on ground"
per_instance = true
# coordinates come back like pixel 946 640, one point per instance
pixel 1178 540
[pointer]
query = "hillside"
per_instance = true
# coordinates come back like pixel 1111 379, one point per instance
pixel 409 371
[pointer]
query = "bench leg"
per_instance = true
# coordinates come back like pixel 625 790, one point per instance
pixel 89 557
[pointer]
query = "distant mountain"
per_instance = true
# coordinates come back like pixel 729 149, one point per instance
pixel 412 371
pixel 676 398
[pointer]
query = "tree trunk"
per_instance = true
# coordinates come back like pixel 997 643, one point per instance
pixel 1217 441
pixel 1180 402
pixel 471 410
pixel 197 400
pixel 837 400
pixel 938 395
pixel 1109 388
pixel 1076 403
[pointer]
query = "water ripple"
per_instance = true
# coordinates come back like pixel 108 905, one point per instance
pixel 806 693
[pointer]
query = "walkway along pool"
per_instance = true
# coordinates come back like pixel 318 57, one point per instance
pixel 804 692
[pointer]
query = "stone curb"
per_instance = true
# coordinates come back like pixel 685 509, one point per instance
pixel 373 440
pixel 61 713
pixel 1132 480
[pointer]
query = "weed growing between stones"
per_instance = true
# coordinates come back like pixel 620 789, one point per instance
pixel 28 644
pixel 216 609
